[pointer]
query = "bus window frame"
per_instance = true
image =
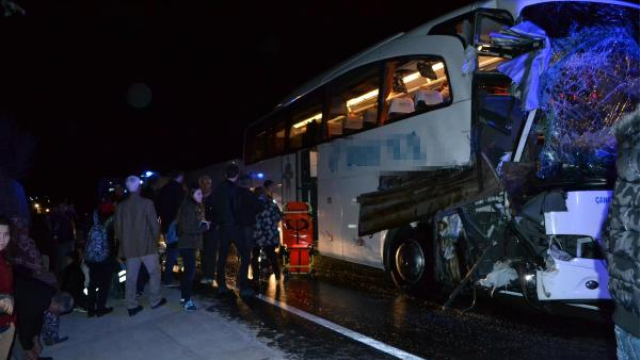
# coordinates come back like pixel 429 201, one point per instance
pixel 379 64
pixel 290 110
pixel 473 17
pixel 383 110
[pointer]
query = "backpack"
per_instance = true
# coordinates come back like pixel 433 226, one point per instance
pixel 97 247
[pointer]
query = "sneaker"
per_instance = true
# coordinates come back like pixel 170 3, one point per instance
pixel 206 281
pixel 104 311
pixel 182 301
pixel 189 306
pixel 51 342
pixel 79 309
pixel 135 310
pixel 162 301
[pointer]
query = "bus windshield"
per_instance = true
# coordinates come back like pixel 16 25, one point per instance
pixel 591 83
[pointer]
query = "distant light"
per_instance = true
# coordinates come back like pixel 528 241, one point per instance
pixel 141 182
pixel 260 175
pixel 148 174
pixel 528 277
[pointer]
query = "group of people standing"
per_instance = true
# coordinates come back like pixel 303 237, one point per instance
pixel 203 220
pixel 210 220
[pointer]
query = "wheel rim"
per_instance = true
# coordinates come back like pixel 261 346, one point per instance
pixel 410 261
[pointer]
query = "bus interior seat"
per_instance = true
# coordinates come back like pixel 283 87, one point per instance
pixel 427 97
pixel 400 107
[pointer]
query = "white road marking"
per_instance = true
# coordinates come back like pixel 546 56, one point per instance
pixel 380 346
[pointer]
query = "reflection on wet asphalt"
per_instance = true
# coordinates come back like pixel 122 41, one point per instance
pixel 494 330
pixel 298 337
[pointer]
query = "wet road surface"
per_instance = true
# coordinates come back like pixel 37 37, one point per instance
pixel 492 330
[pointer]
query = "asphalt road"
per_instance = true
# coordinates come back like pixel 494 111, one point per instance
pixel 362 301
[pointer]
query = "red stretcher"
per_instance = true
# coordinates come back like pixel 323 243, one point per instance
pixel 297 238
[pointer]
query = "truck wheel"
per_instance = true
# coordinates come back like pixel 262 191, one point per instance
pixel 409 266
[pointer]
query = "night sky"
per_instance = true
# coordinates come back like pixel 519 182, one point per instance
pixel 70 68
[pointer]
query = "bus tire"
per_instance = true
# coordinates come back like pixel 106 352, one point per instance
pixel 409 265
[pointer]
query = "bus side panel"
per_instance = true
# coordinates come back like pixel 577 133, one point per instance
pixel 363 250
pixel 352 165
pixel 330 213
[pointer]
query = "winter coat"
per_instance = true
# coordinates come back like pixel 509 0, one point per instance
pixel 622 240
pixel 266 232
pixel 249 208
pixel 224 202
pixel 136 227
pixel 190 228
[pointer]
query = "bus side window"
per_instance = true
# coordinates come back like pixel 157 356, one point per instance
pixel 353 102
pixel 279 136
pixel 414 86
pixel 306 121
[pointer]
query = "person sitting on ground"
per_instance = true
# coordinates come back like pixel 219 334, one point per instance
pixel 7 317
pixel 34 297
pixel 28 263
pixel 191 226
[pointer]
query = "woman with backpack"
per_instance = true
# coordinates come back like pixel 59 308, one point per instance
pixel 191 226
pixel 97 256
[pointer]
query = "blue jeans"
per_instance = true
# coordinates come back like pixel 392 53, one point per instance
pixel 189 260
pixel 628 345
pixel 171 258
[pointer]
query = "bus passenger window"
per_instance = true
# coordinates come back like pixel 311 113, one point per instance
pixel 353 102
pixel 304 129
pixel 414 86
pixel 256 144
pixel 279 139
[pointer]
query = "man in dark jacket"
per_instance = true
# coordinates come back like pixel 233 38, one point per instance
pixel 622 243
pixel 169 201
pixel 234 216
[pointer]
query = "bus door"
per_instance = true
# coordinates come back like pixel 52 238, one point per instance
pixel 498 118
pixel 290 178
pixel 309 183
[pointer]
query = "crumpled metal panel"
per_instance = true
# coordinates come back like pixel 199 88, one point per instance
pixel 423 194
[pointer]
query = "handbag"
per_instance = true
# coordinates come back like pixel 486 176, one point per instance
pixel 171 237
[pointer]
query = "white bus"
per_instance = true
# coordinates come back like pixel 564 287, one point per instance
pixel 420 155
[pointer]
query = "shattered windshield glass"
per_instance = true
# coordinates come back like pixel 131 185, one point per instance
pixel 592 81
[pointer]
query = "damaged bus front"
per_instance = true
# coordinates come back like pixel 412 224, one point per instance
pixel 525 217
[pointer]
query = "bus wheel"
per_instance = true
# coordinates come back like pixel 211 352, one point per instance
pixel 408 264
